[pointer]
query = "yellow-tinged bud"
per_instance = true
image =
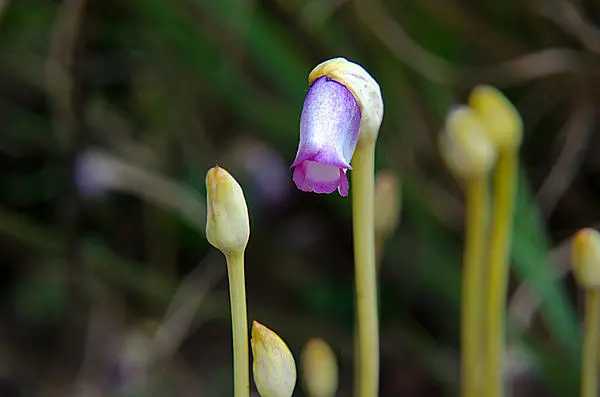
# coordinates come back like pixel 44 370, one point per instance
pixel 464 146
pixel 227 224
pixel 502 120
pixel 273 365
pixel 319 369
pixel 586 258
pixel 364 88
pixel 387 203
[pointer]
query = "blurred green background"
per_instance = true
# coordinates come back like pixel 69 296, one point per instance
pixel 112 112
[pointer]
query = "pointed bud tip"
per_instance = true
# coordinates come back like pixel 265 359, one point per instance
pixel 586 258
pixel 273 365
pixel 227 224
pixel 502 120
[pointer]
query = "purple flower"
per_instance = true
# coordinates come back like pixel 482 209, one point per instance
pixel 329 128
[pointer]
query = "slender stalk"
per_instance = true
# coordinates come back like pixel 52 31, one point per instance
pixel 363 212
pixel 476 198
pixel 239 324
pixel 591 333
pixel 502 220
pixel 357 371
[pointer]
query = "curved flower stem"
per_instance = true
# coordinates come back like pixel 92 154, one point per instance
pixel 477 201
pixel 239 324
pixel 363 212
pixel 589 367
pixel 504 202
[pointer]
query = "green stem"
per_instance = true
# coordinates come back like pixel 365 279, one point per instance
pixel 502 220
pixel 239 324
pixel 476 198
pixel 589 368
pixel 363 213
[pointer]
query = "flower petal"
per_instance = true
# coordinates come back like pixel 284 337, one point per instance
pixel 328 134
pixel 311 176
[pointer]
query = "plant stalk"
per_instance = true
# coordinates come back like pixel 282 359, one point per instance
pixel 591 333
pixel 505 179
pixel 363 225
pixel 476 203
pixel 239 324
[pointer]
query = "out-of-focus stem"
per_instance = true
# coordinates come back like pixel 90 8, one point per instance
pixel 476 198
pixel 505 179
pixel 591 333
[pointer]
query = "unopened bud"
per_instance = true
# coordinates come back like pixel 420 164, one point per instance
pixel 227 224
pixel 273 366
pixel 319 369
pixel 586 258
pixel 502 120
pixel 387 203
pixel 464 145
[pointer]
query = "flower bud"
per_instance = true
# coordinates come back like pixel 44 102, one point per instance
pixel 387 203
pixel 502 121
pixel 586 258
pixel 227 224
pixel 319 369
pixel 364 88
pixel 464 146
pixel 273 367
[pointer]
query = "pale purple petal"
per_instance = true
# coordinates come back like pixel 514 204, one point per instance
pixel 328 134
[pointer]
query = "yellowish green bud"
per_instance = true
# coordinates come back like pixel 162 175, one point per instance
pixel 319 369
pixel 464 146
pixel 364 88
pixel 586 258
pixel 387 203
pixel 227 224
pixel 273 366
pixel 502 120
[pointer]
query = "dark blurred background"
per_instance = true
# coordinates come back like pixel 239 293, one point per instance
pixel 111 112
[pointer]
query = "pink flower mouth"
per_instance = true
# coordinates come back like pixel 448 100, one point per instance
pixel 312 176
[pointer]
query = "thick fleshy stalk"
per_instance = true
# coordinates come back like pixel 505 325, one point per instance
pixel 228 229
pixel 586 268
pixel 472 330
pixel 470 155
pixel 591 333
pixel 239 324
pixel 363 228
pixel 505 179
pixel 504 127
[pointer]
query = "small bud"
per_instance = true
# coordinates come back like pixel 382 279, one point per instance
pixel 273 367
pixel 364 88
pixel 586 258
pixel 465 147
pixel 502 120
pixel 319 369
pixel 387 203
pixel 227 224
